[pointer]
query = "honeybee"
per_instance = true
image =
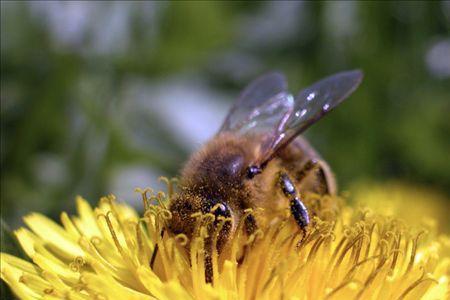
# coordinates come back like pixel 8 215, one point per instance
pixel 258 160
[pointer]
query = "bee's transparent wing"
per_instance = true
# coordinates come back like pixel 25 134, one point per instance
pixel 264 97
pixel 311 104
pixel 266 109
pixel 321 97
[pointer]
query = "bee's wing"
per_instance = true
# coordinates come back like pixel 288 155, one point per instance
pixel 259 99
pixel 310 105
pixel 266 109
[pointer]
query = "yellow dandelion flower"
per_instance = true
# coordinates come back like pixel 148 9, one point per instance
pixel 406 201
pixel 104 253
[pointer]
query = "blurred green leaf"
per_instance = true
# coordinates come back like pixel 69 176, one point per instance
pixel 65 87
pixel 8 244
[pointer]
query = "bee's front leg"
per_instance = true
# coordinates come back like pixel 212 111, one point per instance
pixel 298 209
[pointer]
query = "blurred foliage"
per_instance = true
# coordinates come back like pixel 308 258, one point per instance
pixel 66 121
pixel 8 244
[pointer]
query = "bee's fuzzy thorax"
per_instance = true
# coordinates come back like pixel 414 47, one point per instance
pixel 223 157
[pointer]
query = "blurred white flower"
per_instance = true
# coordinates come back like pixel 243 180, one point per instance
pixel 96 27
pixel 124 179
pixel 438 58
pixel 50 169
pixel 185 105
pixel 276 23
pixel 67 22
pixel 340 18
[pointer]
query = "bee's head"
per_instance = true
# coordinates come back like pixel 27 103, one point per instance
pixel 185 208
pixel 212 182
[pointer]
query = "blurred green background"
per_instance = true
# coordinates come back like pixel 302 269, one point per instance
pixel 104 97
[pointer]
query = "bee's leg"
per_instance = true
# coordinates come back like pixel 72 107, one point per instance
pixel 208 260
pixel 155 251
pixel 308 167
pixel 325 180
pixel 250 224
pixel 298 209
pixel 250 227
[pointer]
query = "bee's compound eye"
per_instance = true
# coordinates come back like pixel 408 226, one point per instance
pixel 252 171
pixel 222 210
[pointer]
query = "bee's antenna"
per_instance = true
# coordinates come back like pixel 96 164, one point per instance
pixel 155 251
pixel 252 171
